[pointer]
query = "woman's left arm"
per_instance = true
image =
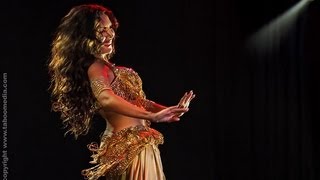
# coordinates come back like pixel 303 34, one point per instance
pixel 153 106
pixel 156 107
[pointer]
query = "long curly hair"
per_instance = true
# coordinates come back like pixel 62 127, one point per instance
pixel 73 50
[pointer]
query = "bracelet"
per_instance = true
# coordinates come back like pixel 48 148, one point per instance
pixel 147 103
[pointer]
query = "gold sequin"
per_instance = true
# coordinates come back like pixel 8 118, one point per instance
pixel 118 151
pixel 128 85
pixel 98 85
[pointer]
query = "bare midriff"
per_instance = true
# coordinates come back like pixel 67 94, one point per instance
pixel 119 122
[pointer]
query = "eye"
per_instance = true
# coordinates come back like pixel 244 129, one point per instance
pixel 108 30
pixel 111 30
pixel 100 29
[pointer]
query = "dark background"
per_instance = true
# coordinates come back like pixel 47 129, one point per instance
pixel 255 116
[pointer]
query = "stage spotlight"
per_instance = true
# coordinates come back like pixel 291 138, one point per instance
pixel 271 35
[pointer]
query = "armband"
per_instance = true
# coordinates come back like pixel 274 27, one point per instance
pixel 147 104
pixel 98 85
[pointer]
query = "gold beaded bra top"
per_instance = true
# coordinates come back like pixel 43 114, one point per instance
pixel 128 85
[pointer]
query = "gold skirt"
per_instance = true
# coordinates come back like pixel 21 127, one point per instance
pixel 130 154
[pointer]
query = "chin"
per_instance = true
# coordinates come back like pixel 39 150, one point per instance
pixel 107 51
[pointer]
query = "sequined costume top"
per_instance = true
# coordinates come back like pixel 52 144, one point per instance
pixel 117 150
pixel 128 85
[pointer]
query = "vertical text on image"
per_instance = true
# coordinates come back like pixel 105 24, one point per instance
pixel 5 159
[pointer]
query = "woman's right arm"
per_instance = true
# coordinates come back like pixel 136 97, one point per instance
pixel 100 84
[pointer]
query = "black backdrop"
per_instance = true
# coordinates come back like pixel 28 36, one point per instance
pixel 267 100
pixel 254 117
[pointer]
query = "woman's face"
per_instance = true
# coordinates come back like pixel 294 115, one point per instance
pixel 105 34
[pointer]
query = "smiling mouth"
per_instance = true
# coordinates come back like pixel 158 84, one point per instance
pixel 107 44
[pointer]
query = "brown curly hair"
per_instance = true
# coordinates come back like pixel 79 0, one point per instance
pixel 74 48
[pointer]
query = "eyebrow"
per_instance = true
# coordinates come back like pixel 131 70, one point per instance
pixel 107 25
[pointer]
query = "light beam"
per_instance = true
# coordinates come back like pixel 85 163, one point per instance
pixel 271 35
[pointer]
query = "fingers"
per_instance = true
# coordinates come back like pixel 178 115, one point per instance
pixel 186 99
pixel 190 96
pixel 173 113
pixel 189 100
pixel 179 114
pixel 175 118
pixel 177 109
pixel 183 99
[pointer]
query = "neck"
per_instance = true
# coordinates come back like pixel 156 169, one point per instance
pixel 103 57
pixel 107 62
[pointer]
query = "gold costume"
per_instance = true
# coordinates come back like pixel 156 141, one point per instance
pixel 132 153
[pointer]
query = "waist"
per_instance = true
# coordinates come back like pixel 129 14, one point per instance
pixel 139 133
pixel 119 122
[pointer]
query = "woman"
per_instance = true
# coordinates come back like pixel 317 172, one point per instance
pixel 85 82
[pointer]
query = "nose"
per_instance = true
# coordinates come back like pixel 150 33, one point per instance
pixel 109 33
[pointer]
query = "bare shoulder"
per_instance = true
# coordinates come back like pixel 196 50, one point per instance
pixel 98 69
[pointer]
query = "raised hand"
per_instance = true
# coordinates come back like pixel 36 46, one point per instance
pixel 169 114
pixel 185 101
